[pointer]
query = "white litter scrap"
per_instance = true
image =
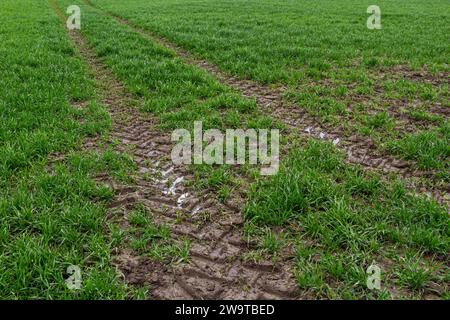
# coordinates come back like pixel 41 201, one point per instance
pixel 308 130
pixel 336 141
pixel 181 199
pixel 165 173
pixel 174 186
pixel 322 135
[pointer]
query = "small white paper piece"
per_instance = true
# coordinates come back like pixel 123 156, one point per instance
pixel 174 186
pixel 181 199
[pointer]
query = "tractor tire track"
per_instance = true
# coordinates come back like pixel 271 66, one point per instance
pixel 216 269
pixel 359 150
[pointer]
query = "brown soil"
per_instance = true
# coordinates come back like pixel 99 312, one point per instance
pixel 422 75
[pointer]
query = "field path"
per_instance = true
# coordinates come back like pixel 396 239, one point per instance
pixel 358 149
pixel 216 269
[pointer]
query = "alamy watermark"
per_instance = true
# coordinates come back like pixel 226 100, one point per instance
pixel 374 277
pixel 374 20
pixel 229 148
pixel 74 20
pixel 74 280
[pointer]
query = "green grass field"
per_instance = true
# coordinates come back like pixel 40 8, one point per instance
pixel 321 216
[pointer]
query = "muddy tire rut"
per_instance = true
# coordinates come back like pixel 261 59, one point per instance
pixel 216 268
